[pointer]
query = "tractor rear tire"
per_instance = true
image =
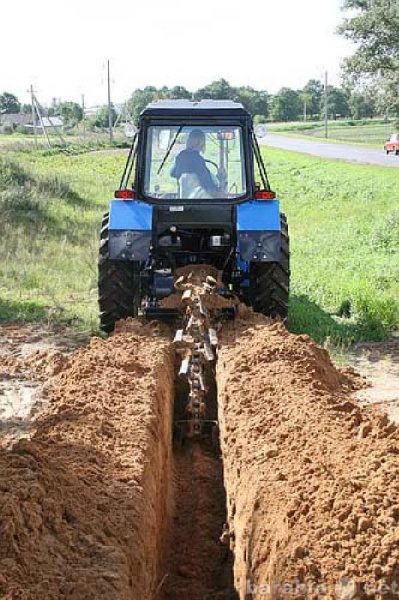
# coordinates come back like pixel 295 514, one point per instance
pixel 269 282
pixel 118 285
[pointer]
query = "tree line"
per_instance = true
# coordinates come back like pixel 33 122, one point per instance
pixel 287 105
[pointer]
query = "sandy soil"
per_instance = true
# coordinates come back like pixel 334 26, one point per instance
pixel 312 478
pixel 29 357
pixel 85 502
pixel 379 363
pixel 95 502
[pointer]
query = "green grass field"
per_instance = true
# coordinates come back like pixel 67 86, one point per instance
pixel 368 133
pixel 344 227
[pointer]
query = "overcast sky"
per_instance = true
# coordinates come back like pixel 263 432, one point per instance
pixel 62 48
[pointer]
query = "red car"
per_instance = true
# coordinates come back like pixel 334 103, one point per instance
pixel 392 144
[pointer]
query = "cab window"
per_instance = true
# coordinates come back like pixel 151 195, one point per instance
pixel 194 162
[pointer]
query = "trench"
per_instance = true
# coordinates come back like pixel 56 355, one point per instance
pixel 200 562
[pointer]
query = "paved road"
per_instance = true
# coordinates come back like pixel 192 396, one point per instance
pixel 356 154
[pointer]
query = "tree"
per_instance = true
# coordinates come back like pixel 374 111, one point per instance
pixel 313 91
pixel 257 103
pixel 374 27
pixel 217 90
pixel 9 103
pixel 337 103
pixel 361 106
pixel 102 119
pixel 177 92
pixel 140 98
pixel 286 105
pixel 71 112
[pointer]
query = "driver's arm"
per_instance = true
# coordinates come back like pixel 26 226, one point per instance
pixel 204 176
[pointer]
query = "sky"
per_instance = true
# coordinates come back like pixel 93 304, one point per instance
pixel 62 48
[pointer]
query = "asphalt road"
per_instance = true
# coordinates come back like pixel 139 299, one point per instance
pixel 355 154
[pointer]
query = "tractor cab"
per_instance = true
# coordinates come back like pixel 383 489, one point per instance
pixel 194 192
pixel 195 151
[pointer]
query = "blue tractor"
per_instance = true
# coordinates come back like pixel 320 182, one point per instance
pixel 194 192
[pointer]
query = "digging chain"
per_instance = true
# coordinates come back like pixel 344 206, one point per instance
pixel 197 343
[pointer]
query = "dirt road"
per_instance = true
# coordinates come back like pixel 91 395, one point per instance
pixel 96 502
pixel 356 154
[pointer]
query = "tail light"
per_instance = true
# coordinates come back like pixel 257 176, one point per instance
pixel 125 194
pixel 265 195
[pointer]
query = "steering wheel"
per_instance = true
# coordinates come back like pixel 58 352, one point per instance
pixel 220 174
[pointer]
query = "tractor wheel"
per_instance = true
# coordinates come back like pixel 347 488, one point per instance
pixel 269 282
pixel 118 285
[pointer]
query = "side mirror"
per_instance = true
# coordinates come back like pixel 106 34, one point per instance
pixel 130 130
pixel 260 131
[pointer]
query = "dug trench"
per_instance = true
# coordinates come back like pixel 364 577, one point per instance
pixel 99 504
pixel 96 502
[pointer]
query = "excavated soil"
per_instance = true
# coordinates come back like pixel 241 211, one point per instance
pixel 312 479
pixel 86 501
pixel 96 502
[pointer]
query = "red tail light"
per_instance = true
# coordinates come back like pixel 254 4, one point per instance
pixel 125 194
pixel 265 195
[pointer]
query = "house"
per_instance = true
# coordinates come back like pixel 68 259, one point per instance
pixel 49 123
pixel 12 120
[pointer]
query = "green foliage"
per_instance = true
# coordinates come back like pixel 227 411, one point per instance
pixel 14 310
pixel 361 106
pixel 256 102
pixel 9 103
pixel 312 93
pixel 102 118
pixel 337 103
pixel 342 239
pixel 386 234
pixel 24 198
pixel 141 97
pixel 217 90
pixel 374 27
pixel 286 105
pixel 71 112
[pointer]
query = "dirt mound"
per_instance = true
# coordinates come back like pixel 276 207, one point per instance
pixel 311 476
pixel 312 480
pixel 84 505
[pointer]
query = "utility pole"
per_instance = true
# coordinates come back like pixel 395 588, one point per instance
pixel 326 105
pixel 83 117
pixel 111 137
pixel 32 100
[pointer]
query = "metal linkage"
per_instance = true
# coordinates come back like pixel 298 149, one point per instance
pixel 197 343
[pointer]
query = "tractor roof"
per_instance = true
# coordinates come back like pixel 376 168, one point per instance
pixel 186 108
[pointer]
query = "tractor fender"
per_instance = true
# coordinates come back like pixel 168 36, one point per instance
pixel 259 231
pixel 130 230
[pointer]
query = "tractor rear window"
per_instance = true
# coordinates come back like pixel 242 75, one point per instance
pixel 193 162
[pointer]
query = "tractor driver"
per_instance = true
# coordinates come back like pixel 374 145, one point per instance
pixel 191 161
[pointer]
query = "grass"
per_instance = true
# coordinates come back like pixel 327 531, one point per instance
pixel 51 207
pixel 344 227
pixel 367 132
